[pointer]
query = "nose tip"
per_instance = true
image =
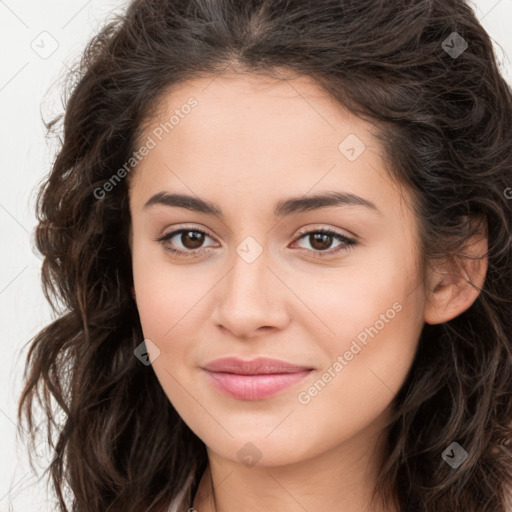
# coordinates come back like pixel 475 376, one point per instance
pixel 250 301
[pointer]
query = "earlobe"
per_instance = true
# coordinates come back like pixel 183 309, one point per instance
pixel 454 286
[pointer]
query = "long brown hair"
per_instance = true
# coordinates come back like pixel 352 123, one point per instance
pixel 425 73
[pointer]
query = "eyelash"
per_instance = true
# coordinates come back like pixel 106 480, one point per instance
pixel 347 243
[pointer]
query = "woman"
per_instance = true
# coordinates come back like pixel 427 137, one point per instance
pixel 282 235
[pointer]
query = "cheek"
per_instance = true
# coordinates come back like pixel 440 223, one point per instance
pixel 368 290
pixel 371 320
pixel 367 363
pixel 167 303
pixel 166 292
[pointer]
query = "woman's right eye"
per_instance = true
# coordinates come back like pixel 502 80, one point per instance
pixel 190 239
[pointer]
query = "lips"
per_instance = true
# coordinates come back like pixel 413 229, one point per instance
pixel 255 379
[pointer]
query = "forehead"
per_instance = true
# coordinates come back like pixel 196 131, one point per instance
pixel 228 106
pixel 252 139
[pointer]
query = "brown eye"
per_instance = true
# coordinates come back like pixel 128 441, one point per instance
pixel 320 241
pixel 185 242
pixel 192 239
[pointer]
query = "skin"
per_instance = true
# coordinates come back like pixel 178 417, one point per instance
pixel 251 142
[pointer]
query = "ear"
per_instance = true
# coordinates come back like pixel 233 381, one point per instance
pixel 454 285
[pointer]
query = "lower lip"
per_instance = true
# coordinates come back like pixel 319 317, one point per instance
pixel 254 387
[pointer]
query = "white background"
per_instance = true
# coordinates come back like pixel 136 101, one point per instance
pixel 29 86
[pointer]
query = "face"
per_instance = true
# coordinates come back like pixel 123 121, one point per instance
pixel 330 286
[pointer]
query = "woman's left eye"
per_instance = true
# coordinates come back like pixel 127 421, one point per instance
pixel 192 240
pixel 323 237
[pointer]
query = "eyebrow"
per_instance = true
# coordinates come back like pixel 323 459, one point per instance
pixel 283 208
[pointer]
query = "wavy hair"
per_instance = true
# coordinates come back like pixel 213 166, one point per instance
pixel 444 117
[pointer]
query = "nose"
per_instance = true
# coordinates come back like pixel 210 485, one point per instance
pixel 251 300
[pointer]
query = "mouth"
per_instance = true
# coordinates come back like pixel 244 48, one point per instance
pixel 256 379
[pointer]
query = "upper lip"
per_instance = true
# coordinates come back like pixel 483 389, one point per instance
pixel 258 366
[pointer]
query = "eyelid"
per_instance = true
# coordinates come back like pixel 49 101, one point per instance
pixel 322 227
